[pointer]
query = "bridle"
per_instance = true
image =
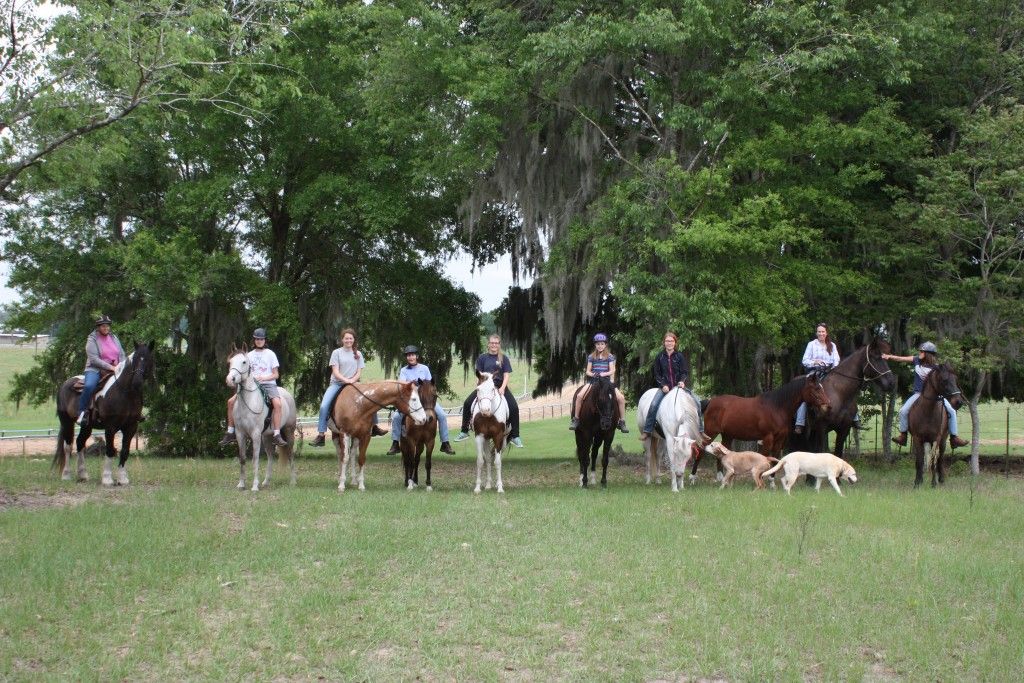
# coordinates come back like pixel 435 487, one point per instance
pixel 863 379
pixel 375 402
pixel 240 386
pixel 939 395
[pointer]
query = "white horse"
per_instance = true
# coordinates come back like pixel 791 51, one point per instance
pixel 250 414
pixel 678 417
pixel 491 427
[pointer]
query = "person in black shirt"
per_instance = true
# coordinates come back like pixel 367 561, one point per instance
pixel 498 364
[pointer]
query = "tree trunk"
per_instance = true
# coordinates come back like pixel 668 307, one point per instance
pixel 975 427
pixel 888 413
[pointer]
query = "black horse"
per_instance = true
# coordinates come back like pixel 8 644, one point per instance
pixel 597 418
pixel 119 409
pixel 929 423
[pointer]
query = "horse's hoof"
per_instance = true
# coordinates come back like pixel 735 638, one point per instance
pixel 604 484
pixel 106 481
pixel 341 488
pixel 66 475
pixel 501 489
pixel 476 490
pixel 593 478
pixel 410 487
pixel 241 486
pixel 693 479
pixel 122 478
pixel 430 488
pixel 362 487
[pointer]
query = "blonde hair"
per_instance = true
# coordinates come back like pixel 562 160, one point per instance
pixel 500 355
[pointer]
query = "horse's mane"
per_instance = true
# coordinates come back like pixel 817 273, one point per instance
pixel 785 394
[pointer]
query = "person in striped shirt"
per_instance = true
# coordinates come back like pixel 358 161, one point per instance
pixel 600 363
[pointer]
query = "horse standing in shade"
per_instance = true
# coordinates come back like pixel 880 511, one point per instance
pixel 417 437
pixel 766 418
pixel 597 417
pixel 252 421
pixel 491 427
pixel 117 408
pixel 842 384
pixel 680 424
pixel 929 423
pixel 351 418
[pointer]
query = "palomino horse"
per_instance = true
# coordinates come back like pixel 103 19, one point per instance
pixel 417 437
pixel 842 384
pixel 351 418
pixel 679 421
pixel 929 423
pixel 491 427
pixel 598 414
pixel 252 421
pixel 765 418
pixel 118 408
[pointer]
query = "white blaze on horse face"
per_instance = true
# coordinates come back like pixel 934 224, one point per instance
pixel 416 411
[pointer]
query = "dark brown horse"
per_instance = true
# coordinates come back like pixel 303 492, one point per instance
pixel 117 408
pixel 766 418
pixel 929 423
pixel 415 438
pixel 597 417
pixel 842 385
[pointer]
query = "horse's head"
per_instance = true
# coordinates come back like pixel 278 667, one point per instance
pixel 813 394
pixel 142 364
pixel 603 395
pixel 946 385
pixel 875 369
pixel 408 402
pixel 238 368
pixel 681 450
pixel 486 393
pixel 428 396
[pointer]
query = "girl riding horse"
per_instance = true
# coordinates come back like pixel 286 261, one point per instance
pixel 415 370
pixel 925 361
pixel 496 364
pixel 601 363
pixel 265 370
pixel 671 370
pixel 346 367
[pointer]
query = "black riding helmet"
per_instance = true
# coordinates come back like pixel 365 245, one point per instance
pixel 259 333
pixel 411 349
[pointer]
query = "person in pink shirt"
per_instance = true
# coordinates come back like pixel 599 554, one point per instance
pixel 103 353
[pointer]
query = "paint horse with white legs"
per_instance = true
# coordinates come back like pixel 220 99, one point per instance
pixel 117 409
pixel 352 418
pixel 679 420
pixel 415 438
pixel 251 414
pixel 491 427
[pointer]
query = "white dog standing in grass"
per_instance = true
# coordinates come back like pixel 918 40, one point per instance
pixel 820 465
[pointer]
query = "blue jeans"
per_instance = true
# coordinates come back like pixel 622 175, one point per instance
pixel 652 411
pixel 904 418
pixel 442 424
pixel 92 380
pixel 801 415
pixel 325 406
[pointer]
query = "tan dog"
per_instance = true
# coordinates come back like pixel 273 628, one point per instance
pixel 742 462
pixel 820 465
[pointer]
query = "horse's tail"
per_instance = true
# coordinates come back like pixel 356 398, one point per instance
pixel 773 470
pixel 61 456
pixel 704 405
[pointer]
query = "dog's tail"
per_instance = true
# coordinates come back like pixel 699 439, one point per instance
pixel 773 470
pixel 771 459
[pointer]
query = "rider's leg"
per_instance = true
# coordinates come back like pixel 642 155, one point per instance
pixel 904 420
pixel 276 403
pixel 396 433
pixel 325 407
pixel 621 399
pixel 229 438
pixel 513 418
pixel 577 399
pixel 467 414
pixel 801 418
pixel 652 412
pixel 954 430
pixel 91 381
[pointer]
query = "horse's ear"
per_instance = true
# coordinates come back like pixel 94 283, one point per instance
pixel 479 375
pixel 419 381
pixel 152 344
pixel 245 347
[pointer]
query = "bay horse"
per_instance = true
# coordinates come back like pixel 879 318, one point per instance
pixel 117 407
pixel 417 437
pixel 766 418
pixel 597 416
pixel 842 384
pixel 351 418
pixel 491 428
pixel 251 415
pixel 929 423
pixel 680 424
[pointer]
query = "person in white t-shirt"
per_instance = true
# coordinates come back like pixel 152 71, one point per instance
pixel 347 365
pixel 265 370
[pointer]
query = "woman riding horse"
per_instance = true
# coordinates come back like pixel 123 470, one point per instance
pixel 103 353
pixel 413 371
pixel 671 369
pixel 926 360
pixel 265 370
pixel 499 367
pixel 600 363
pixel 346 367
pixel 821 354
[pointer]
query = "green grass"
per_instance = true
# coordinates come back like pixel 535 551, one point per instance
pixel 182 576
pixel 13 360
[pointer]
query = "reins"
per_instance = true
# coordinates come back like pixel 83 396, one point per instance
pixel 862 379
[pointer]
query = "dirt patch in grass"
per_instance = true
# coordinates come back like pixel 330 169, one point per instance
pixel 35 500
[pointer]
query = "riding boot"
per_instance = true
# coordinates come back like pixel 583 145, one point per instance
pixel 395 450
pixel 447 448
pixel 228 440
pixel 900 440
pixel 574 423
pixel 279 440
pixel 319 440
pixel 799 429
pixel 956 442
pixel 622 427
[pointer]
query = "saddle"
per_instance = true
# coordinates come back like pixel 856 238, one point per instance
pixel 79 384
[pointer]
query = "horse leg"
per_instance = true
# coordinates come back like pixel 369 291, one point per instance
pixel 271 450
pixel 488 462
pixel 127 434
pixel 290 452
pixel 341 446
pixel 430 453
pixel 497 468
pixel 409 462
pixel 648 454
pixel 242 445
pixel 604 463
pixel 83 435
pixel 479 461
pixel 581 457
pixel 919 456
pixel 363 443
pixel 940 460
pixel 353 464
pixel 62 459
pixel 257 444
pixel 108 461
pixel 593 457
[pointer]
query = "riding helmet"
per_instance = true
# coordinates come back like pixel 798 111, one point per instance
pixel 104 319
pixel 600 336
pixel 929 347
pixel 410 349
pixel 259 333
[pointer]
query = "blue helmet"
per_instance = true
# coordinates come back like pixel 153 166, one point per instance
pixel 929 347
pixel 600 337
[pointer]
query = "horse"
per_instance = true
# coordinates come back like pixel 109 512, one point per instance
pixel 491 428
pixel 929 423
pixel 680 424
pixel 253 424
pixel 842 384
pixel 415 438
pixel 598 414
pixel 351 413
pixel 765 418
pixel 117 408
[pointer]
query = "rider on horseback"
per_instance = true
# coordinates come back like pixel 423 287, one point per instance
pixel 103 353
pixel 927 359
pixel 671 370
pixel 265 370
pixel 414 370
pixel 821 354
pixel 601 363
pixel 498 364
pixel 347 365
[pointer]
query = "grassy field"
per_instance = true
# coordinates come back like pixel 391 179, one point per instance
pixel 180 576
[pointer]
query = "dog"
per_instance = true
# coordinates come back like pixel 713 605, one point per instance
pixel 742 462
pixel 820 465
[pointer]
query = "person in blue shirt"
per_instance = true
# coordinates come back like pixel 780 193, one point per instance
pixel 498 364
pixel 600 363
pixel 927 359
pixel 412 371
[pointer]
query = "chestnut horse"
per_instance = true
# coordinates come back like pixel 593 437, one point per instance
pixel 351 413
pixel 929 423
pixel 766 418
pixel 491 427
pixel 598 414
pixel 417 437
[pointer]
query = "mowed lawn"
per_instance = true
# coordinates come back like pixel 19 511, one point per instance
pixel 180 576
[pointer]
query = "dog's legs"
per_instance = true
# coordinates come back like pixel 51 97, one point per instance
pixel 835 484
pixel 817 484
